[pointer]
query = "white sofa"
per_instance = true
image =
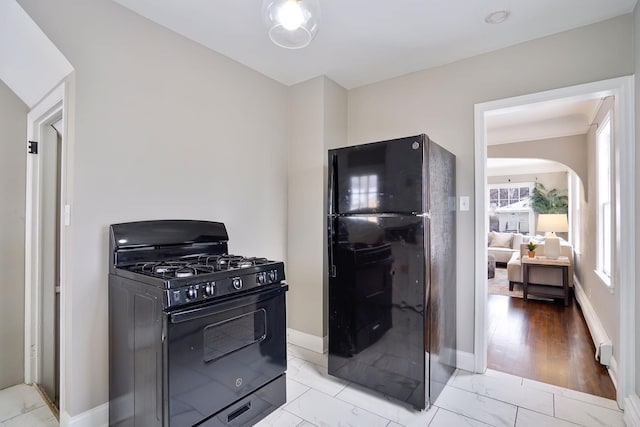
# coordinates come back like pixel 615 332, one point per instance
pixel 503 245
pixel 543 276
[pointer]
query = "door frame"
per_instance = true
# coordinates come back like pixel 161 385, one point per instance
pixel 52 107
pixel 623 90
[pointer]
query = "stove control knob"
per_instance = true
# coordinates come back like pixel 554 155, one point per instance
pixel 192 293
pixel 237 283
pixel 272 276
pixel 210 288
pixel 262 278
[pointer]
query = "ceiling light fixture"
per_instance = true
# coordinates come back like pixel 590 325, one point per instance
pixel 292 24
pixel 497 17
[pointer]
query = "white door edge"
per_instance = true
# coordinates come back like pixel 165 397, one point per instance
pixel 53 107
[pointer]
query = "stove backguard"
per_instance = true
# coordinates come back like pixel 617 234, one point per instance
pixel 146 241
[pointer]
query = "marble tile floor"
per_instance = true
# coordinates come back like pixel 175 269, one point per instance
pixel 316 399
pixel 23 406
pixel 492 399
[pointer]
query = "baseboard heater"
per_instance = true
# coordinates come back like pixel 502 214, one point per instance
pixel 604 348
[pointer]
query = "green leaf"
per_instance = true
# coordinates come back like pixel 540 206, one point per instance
pixel 552 201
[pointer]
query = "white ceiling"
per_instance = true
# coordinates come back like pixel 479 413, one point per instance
pixel 538 121
pixel 30 63
pixel 500 166
pixel 549 119
pixel 364 41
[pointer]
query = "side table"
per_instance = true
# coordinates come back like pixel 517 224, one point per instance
pixel 548 291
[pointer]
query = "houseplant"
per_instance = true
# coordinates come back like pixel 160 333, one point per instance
pixel 552 201
pixel 532 249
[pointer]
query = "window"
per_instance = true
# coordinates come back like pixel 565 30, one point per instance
pixel 509 208
pixel 502 195
pixel 604 209
pixel 576 213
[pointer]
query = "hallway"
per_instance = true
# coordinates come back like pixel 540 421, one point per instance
pixel 547 342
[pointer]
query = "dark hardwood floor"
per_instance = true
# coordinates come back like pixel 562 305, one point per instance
pixel 545 341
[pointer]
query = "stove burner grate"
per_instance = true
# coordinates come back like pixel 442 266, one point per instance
pixel 193 265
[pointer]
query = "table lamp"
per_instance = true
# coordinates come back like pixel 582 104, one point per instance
pixel 552 223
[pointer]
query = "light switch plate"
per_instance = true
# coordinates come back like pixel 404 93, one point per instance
pixel 464 203
pixel 67 215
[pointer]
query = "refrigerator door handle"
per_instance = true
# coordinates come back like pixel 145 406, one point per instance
pixel 333 181
pixel 332 206
pixel 331 230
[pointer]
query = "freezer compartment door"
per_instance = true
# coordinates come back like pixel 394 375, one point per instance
pixel 381 177
pixel 377 305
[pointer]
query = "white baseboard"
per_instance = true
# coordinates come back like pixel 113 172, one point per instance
pixel 602 342
pixel 94 417
pixel 466 361
pixel 613 371
pixel 308 341
pixel 632 411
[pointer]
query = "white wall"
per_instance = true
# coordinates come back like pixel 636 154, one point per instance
pixel 164 128
pixel 317 122
pixel 31 65
pixel 568 150
pixel 440 102
pixel 604 302
pixel 548 179
pixel 13 149
pixel 305 207
pixel 336 135
pixel 636 51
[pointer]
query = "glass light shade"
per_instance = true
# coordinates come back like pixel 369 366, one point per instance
pixel 292 24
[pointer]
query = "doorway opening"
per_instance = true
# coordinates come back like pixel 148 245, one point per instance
pixel 45 243
pixel 49 225
pixel 546 338
pixel 623 368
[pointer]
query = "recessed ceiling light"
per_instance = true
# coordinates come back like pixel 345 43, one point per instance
pixel 497 17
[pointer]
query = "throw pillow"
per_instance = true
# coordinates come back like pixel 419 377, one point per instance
pixel 490 238
pixel 502 240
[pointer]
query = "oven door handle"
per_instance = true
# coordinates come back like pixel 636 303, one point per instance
pixel 230 304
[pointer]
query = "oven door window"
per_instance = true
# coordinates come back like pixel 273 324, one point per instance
pixel 227 336
pixel 218 353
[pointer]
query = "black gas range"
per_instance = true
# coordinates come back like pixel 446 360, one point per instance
pixel 204 277
pixel 197 335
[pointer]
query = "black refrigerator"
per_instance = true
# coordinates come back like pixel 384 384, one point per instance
pixel 392 267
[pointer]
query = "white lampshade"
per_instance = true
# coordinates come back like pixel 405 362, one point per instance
pixel 292 24
pixel 552 223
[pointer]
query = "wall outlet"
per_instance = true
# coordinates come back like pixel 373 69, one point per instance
pixel 464 203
